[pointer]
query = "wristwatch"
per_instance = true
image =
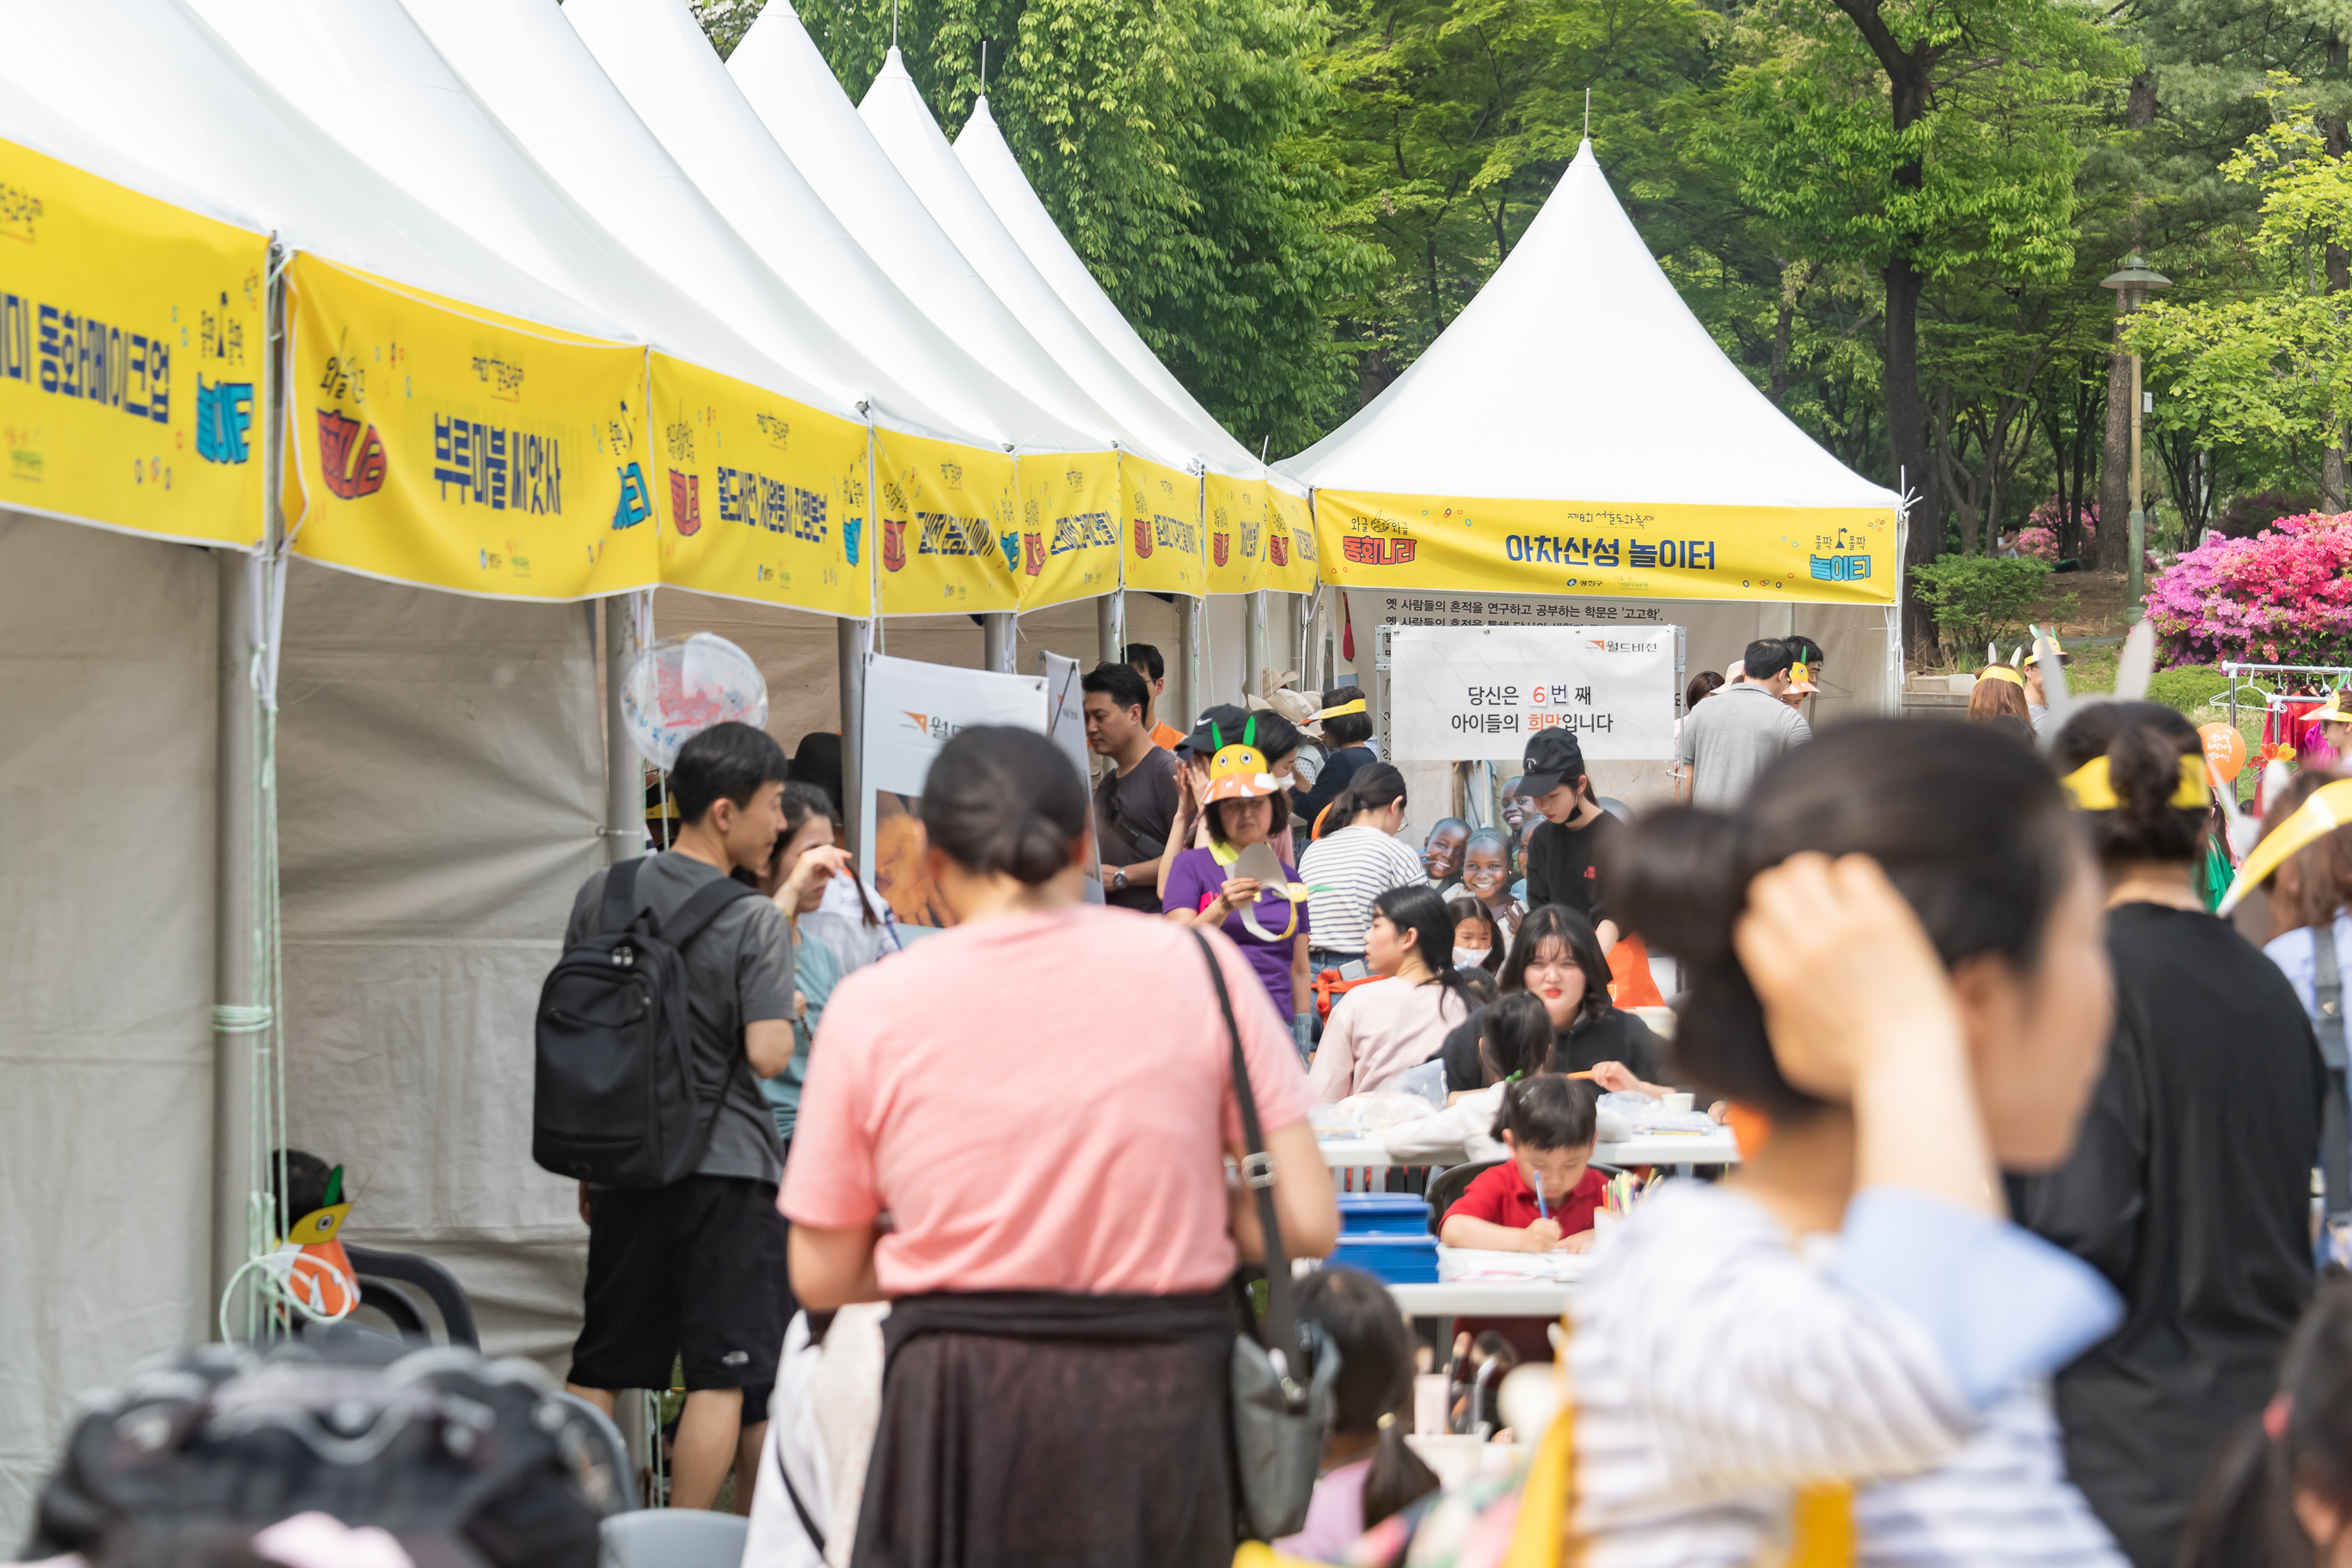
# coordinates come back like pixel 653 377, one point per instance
pixel 1119 879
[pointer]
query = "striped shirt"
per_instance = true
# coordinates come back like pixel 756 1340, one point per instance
pixel 1357 864
pixel 1717 1369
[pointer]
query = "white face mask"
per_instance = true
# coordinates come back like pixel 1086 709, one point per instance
pixel 1470 957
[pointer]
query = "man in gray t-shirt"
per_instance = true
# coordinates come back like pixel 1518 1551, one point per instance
pixel 1732 734
pixel 693 1273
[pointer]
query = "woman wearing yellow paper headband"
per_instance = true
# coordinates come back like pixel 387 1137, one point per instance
pixel 2190 1186
pixel 1244 809
pixel 2000 693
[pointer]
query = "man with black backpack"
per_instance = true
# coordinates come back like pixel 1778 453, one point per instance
pixel 1135 803
pixel 675 991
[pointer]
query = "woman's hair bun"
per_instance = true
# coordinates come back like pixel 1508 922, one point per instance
pixel 1676 875
pixel 2143 744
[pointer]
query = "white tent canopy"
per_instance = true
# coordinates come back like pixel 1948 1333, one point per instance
pixel 988 159
pixel 1578 374
pixel 894 112
pixel 657 55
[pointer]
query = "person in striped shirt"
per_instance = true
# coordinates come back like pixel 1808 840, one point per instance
pixel 1352 864
pixel 1854 1306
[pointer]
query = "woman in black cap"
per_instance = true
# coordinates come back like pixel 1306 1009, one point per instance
pixel 1565 855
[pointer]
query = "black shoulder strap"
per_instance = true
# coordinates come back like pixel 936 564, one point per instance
pixel 1257 1171
pixel 619 905
pixel 2327 1023
pixel 686 922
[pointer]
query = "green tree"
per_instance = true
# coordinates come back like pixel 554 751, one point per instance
pixel 1921 140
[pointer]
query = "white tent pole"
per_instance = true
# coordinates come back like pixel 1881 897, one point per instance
pixel 624 788
pixel 1253 660
pixel 849 649
pixel 999 630
pixel 238 1000
pixel 1110 611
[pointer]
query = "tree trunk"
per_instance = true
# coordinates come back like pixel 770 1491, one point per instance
pixel 2114 470
pixel 1783 329
pixel 2339 280
pixel 1907 431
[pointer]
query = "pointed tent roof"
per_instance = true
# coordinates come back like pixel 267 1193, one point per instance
pixel 368 78
pixel 1578 374
pixel 988 159
pixel 657 55
pixel 902 123
pixel 524 61
pixel 179 100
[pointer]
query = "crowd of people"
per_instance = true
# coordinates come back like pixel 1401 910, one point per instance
pixel 2020 1264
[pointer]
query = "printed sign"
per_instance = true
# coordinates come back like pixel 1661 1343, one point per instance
pixel 1290 541
pixel 1402 543
pixel 1163 527
pixel 1069 527
pixel 1235 511
pixel 453 447
pixel 132 357
pixel 912 710
pixel 1474 694
pixel 761 498
pixel 950 541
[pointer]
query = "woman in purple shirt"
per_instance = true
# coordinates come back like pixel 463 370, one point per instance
pixel 1243 803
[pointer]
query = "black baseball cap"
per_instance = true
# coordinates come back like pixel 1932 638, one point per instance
pixel 1553 758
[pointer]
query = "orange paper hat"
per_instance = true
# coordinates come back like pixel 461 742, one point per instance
pixel 1238 772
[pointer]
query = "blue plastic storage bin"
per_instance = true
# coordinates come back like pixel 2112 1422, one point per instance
pixel 1383 1213
pixel 1397 1259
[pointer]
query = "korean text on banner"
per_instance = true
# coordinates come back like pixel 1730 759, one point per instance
pixel 453 447
pixel 132 347
pixel 1069 526
pixel 1163 527
pixel 912 710
pixel 1841 555
pixel 1290 541
pixel 1235 510
pixel 1476 693
pixel 950 543
pixel 764 499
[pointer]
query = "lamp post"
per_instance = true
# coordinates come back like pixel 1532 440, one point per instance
pixel 2133 285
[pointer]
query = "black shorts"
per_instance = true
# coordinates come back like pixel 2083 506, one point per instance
pixel 694 1271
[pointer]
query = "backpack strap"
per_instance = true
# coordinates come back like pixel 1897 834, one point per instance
pixel 686 922
pixel 619 909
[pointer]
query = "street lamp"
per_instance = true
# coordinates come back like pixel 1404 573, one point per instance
pixel 2133 285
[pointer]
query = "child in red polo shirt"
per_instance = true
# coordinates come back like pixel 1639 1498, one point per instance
pixel 1543 1198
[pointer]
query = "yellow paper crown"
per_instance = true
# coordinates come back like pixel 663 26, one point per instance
pixel 1357 706
pixel 2003 672
pixel 2329 807
pixel 2090 789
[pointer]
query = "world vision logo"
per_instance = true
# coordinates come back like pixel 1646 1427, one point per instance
pixel 353 462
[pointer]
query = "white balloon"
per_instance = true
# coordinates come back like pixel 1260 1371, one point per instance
pixel 681 686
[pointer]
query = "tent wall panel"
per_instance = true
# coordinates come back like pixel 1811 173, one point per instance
pixel 107 650
pixel 441 783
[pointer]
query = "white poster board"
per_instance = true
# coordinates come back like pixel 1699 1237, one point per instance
pixel 1476 693
pixel 912 710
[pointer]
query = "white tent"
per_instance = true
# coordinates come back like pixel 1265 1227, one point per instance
pixel 657 55
pixel 894 110
pixel 982 149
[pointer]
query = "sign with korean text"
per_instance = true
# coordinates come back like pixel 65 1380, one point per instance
pixel 448 446
pixel 950 541
pixel 1454 544
pixel 1234 512
pixel 1476 693
pixel 133 348
pixel 1290 541
pixel 760 498
pixel 1162 517
pixel 1069 526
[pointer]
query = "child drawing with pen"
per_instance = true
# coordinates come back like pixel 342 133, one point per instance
pixel 1543 1198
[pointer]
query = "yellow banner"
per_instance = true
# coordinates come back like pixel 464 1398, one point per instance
pixel 1236 513
pixel 1069 527
pixel 449 446
pixel 949 540
pixel 761 498
pixel 133 346
pixel 1839 556
pixel 1163 527
pixel 1290 541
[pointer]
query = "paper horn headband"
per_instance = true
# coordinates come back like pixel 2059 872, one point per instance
pixel 1238 772
pixel 2090 789
pixel 2329 807
pixel 2003 673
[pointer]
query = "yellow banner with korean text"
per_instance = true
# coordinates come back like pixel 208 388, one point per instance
pixel 442 445
pixel 1069 527
pixel 1235 511
pixel 950 540
pixel 761 498
pixel 1822 555
pixel 133 352
pixel 1290 541
pixel 1162 542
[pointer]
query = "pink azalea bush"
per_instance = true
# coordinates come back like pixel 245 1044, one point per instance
pixel 2284 597
pixel 2039 537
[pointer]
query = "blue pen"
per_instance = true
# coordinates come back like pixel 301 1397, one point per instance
pixel 1541 1210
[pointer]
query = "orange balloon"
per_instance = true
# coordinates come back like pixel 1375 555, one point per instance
pixel 2225 750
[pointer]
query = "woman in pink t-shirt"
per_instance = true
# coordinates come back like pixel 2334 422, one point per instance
pixel 1040 1099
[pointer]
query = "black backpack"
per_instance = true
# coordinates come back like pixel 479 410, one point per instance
pixel 467 1461
pixel 614 1099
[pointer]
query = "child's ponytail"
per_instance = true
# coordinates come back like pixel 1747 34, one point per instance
pixel 1374 1391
